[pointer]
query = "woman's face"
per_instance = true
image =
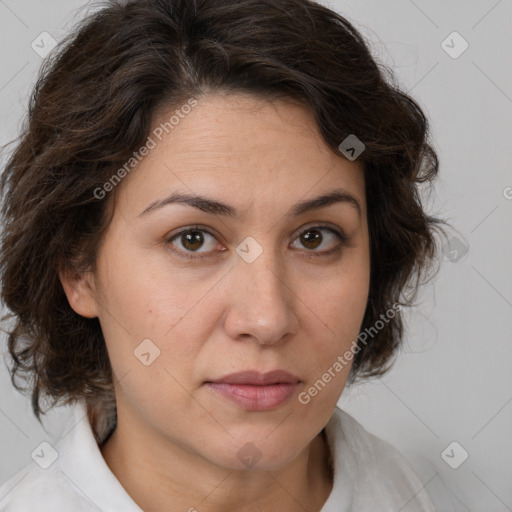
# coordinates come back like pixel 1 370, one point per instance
pixel 259 284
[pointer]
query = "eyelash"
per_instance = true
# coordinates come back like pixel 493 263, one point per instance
pixel 310 253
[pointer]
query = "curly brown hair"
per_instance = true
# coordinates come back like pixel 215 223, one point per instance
pixel 92 107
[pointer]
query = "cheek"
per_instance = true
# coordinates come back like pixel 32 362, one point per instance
pixel 330 356
pixel 144 294
pixel 342 299
pixel 150 307
pixel 337 311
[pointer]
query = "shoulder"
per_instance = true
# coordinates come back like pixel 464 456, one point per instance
pixel 56 482
pixel 378 472
pixel 71 476
pixel 371 450
pixel 40 490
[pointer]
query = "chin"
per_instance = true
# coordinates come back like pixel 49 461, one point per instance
pixel 256 453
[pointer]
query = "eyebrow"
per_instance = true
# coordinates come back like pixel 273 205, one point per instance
pixel 215 207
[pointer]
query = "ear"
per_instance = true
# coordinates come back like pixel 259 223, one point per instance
pixel 79 289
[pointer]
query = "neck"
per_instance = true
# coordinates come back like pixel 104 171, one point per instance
pixel 156 472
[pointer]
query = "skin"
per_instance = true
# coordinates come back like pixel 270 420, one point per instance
pixel 177 441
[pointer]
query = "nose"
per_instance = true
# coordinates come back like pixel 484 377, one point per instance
pixel 261 305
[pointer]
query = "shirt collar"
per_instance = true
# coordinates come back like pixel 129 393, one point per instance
pixel 81 461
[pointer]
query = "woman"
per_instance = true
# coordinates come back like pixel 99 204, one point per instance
pixel 212 223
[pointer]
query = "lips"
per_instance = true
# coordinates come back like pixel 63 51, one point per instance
pixel 255 378
pixel 255 391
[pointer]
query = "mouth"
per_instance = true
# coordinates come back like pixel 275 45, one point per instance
pixel 255 391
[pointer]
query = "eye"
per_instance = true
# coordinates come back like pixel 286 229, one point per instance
pixel 191 240
pixel 312 238
pixel 188 242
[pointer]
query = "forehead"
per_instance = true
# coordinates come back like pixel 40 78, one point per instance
pixel 244 148
pixel 236 127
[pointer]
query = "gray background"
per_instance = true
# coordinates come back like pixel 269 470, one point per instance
pixel 453 379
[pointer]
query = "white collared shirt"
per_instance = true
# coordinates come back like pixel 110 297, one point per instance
pixel 369 475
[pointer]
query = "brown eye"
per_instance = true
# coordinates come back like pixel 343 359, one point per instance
pixel 192 240
pixel 197 242
pixel 311 238
pixel 319 236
